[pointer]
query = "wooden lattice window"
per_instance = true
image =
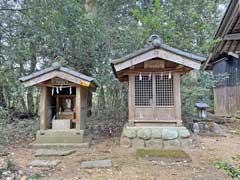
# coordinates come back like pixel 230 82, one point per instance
pixel 155 90
pixel 164 90
pixel 143 91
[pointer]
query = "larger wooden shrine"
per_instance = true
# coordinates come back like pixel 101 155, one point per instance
pixel 153 75
pixel 63 104
pixel 224 61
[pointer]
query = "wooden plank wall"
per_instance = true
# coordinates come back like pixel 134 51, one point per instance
pixel 226 100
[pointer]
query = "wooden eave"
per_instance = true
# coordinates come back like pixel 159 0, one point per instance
pixel 40 78
pixel 228 33
pixel 156 53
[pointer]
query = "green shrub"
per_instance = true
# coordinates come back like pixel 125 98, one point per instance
pixel 229 169
pixel 196 87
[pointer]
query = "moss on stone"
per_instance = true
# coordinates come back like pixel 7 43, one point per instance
pixel 162 153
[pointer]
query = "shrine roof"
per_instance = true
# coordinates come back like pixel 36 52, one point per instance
pixel 43 74
pixel 155 48
pixel 163 46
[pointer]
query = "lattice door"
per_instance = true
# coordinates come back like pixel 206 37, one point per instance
pixel 152 93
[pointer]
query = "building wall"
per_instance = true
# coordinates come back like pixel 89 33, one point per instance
pixel 227 90
pixel 226 100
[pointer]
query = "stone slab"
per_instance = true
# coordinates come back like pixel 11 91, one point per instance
pixel 44 163
pixel 96 164
pixel 61 124
pixel 53 152
pixel 59 136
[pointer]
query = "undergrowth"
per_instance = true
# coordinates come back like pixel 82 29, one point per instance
pixel 16 130
pixel 231 170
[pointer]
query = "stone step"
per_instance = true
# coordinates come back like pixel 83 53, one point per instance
pixel 54 152
pixel 59 145
pixel 53 136
pixel 44 163
pixel 96 164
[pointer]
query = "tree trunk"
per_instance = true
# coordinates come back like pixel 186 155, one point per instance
pixel 91 7
pixel 30 91
pixel 101 99
pixel 6 95
pixel 30 100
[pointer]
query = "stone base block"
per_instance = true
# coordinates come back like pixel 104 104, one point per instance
pixel 59 136
pixel 138 143
pixel 172 144
pixel 61 124
pixel 126 142
pixel 186 142
pixel 154 144
pixel 155 137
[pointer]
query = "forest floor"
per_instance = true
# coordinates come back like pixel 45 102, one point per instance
pixel 205 152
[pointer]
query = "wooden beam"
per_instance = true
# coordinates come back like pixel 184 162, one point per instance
pixel 131 106
pixel 78 107
pixel 136 71
pixel 43 108
pixel 177 98
pixel 233 54
pixel 159 53
pixel 231 37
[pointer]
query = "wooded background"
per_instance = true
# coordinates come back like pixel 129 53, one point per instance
pixel 88 34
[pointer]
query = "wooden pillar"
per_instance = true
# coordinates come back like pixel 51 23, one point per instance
pixel 131 107
pixel 78 107
pixel 57 107
pixel 177 98
pixel 43 108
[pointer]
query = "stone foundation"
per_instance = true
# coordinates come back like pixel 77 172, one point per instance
pixel 59 136
pixel 155 137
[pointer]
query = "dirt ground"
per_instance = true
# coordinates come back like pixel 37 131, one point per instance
pixel 205 153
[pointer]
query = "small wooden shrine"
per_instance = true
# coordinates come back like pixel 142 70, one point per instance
pixel 63 103
pixel 153 76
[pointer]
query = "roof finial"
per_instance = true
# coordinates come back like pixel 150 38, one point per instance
pixel 58 61
pixel 155 40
